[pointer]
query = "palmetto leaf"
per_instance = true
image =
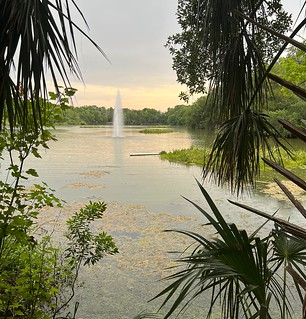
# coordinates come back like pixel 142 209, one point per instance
pixel 238 89
pixel 36 36
pixel 289 248
pixel 236 153
pixel 233 267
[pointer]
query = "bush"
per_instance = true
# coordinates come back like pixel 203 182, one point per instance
pixel 37 278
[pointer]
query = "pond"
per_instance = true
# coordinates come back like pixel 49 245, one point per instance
pixel 144 196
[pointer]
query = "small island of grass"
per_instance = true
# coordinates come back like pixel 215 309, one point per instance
pixel 195 156
pixel 191 156
pixel 156 131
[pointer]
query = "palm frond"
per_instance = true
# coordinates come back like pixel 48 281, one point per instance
pixel 291 197
pixel 291 176
pixel 238 61
pixel 298 91
pixel 38 36
pixel 238 89
pixel 234 268
pixel 291 228
pixel 237 150
pixel 292 129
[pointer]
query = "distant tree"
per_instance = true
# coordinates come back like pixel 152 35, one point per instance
pixel 145 116
pixel 70 117
pixel 92 115
pixel 283 103
pixel 203 116
pixel 179 115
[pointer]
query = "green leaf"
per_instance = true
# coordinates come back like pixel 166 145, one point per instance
pixel 32 172
pixel 53 96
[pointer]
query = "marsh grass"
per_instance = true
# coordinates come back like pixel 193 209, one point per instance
pixel 195 156
pixel 190 156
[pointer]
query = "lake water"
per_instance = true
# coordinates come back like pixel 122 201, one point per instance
pixel 144 197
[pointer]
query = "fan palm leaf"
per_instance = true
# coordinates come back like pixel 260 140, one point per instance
pixel 238 88
pixel 236 152
pixel 234 267
pixel 36 38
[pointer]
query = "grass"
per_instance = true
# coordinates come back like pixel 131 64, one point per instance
pixel 191 156
pixel 195 156
pixel 156 131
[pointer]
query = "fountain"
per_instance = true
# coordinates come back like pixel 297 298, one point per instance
pixel 118 117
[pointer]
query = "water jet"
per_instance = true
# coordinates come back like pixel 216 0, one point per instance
pixel 118 117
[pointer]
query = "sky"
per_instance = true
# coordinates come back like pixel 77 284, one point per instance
pixel 132 33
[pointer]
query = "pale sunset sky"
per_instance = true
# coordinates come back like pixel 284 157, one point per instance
pixel 132 34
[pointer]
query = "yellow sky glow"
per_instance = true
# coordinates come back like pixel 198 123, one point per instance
pixel 159 98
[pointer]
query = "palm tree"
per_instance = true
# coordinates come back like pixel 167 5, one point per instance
pixel 36 37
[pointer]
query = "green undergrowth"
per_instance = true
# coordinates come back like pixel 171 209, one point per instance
pixel 156 131
pixel 195 156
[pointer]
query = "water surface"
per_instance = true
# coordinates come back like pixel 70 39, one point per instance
pixel 144 197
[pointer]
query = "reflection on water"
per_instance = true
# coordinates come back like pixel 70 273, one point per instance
pixel 144 198
pixel 117 151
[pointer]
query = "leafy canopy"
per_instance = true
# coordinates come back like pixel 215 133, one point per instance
pixel 208 29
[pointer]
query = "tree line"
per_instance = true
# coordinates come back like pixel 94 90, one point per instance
pixel 201 114
pixel 195 115
pixel 198 115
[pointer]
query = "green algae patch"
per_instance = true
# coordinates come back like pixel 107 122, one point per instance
pixel 156 131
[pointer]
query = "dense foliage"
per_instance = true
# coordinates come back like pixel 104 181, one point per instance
pixel 195 156
pixel 197 58
pixel 146 116
pixel 86 115
pixel 93 115
pixel 197 115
